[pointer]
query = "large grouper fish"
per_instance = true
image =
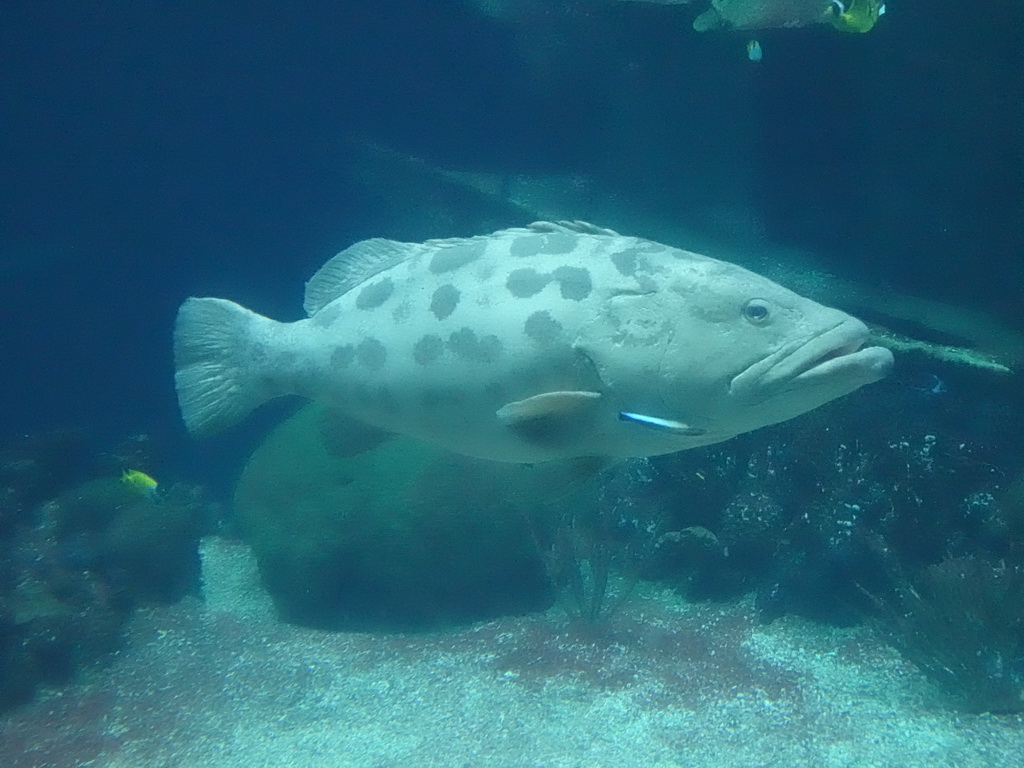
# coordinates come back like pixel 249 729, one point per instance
pixel 553 341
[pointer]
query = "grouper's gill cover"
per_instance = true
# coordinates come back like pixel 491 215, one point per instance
pixel 552 341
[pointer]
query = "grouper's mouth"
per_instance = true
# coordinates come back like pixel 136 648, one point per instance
pixel 836 357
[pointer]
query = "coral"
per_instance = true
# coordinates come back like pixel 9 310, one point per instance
pixel 918 461
pixel 77 551
pixel 35 468
pixel 151 543
pixel 156 544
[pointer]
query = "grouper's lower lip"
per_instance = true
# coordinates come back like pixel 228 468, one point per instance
pixel 833 358
pixel 864 365
pixel 840 354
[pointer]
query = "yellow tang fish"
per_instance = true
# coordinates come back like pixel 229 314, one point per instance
pixel 140 481
pixel 857 17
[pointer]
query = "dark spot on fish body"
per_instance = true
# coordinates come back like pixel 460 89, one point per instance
pixel 342 356
pixel 466 345
pixel 371 354
pixel 626 261
pixel 428 349
pixel 560 242
pixel 375 294
pixel 444 301
pixel 543 328
pixel 647 284
pixel 402 312
pixel 574 282
pixel 526 245
pixel 451 258
pixel 554 243
pixel 326 316
pixel 524 283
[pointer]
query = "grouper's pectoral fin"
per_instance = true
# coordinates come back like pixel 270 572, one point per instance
pixel 549 404
pixel 551 418
pixel 666 425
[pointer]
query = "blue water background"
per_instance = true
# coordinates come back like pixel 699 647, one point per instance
pixel 151 151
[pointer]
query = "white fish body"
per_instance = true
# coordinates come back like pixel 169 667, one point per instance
pixel 553 341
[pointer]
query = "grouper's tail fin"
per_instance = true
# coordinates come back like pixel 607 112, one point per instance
pixel 214 363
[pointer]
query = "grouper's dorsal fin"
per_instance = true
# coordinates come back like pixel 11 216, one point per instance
pixel 579 227
pixel 537 228
pixel 354 266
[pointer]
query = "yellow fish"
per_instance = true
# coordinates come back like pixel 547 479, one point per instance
pixel 858 16
pixel 140 481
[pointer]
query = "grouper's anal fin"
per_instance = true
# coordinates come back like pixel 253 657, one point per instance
pixel 551 418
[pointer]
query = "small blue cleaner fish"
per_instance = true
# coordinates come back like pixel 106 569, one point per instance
pixel 141 482
pixel 754 52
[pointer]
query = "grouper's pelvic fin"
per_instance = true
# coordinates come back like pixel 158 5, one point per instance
pixel 560 404
pixel 213 364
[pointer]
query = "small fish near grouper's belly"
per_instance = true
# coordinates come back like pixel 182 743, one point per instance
pixel 552 341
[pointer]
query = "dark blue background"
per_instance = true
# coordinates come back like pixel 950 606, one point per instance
pixel 152 150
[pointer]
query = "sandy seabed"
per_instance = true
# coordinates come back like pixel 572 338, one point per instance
pixel 662 683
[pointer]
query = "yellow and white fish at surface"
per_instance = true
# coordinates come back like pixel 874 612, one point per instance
pixel 552 341
pixel 855 16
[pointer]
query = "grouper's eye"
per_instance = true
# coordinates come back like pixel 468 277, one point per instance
pixel 756 311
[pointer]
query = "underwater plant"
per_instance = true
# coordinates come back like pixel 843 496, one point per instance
pixel 579 560
pixel 961 621
pixel 598 542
